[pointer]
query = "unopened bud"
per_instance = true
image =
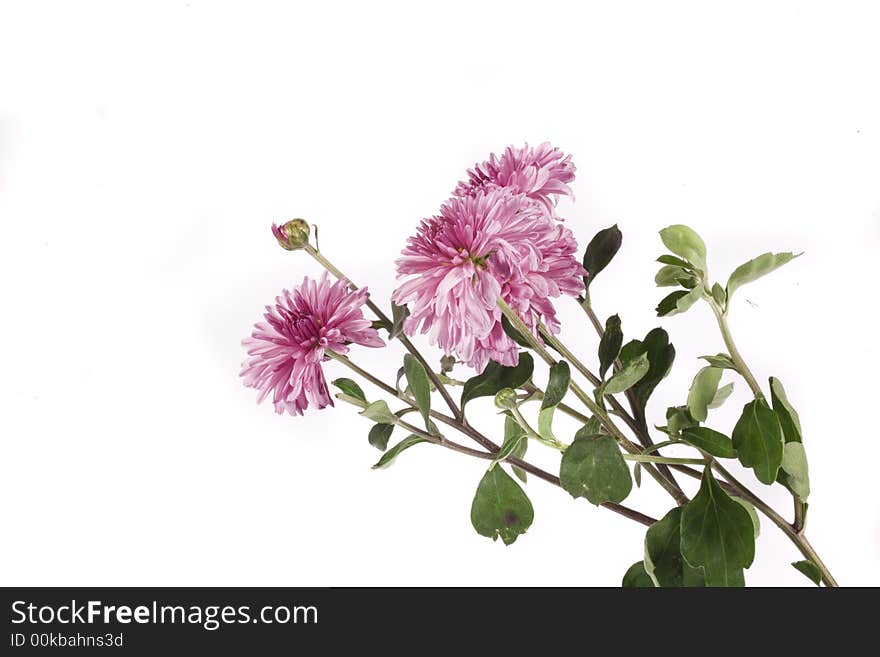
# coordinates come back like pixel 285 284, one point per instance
pixel 293 235
pixel 506 398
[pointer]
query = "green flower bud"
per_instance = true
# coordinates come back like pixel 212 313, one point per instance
pixel 506 398
pixel 293 235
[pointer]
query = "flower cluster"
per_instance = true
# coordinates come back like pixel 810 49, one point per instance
pixel 498 237
pixel 285 352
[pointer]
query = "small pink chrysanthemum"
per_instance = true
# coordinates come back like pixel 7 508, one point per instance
pixel 488 245
pixel 541 173
pixel 285 352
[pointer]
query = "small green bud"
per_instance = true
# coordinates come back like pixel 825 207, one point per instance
pixel 446 364
pixel 506 398
pixel 293 235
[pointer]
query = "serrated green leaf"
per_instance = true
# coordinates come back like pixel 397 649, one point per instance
pixel 757 439
pixel 794 463
pixel 720 360
pixel 810 570
pixel 593 467
pixel 630 374
pixel 710 441
pixel 497 377
pixel 419 385
pixel 721 396
pixel 500 507
pixel 379 435
pixel 609 345
pixel 389 456
pixel 679 302
pixel 378 411
pixel 754 269
pixel 788 417
pixel 350 388
pixel 600 251
pixel 636 577
pixel 683 241
pixel 717 534
pixel 702 392
pixel 663 561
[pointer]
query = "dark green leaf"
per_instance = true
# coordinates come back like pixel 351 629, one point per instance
pixel 631 373
pixel 508 447
pixel 379 435
pixel 717 534
pixel 378 411
pixel 398 315
pixel 389 456
pixel 721 395
pixel 757 438
pixel 720 360
pixel 748 506
pixel 496 377
pixel 667 259
pixel 754 269
pixel 809 569
pixel 679 302
pixel 703 391
pixel 788 417
pixel 609 345
pixel 684 241
pixel 557 385
pixel 500 507
pixel 593 425
pixel 601 249
pixel 794 463
pixel 637 474
pixel 709 440
pixel 513 334
pixel 661 354
pixel 350 388
pixel 636 577
pixel 593 467
pixel 663 560
pixel 417 378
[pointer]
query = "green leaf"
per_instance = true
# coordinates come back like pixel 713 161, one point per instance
pixel 678 418
pixel 600 251
pixel 721 396
pixel 667 259
pixel 630 374
pixel 788 417
pixel 398 315
pixel 709 440
pixel 512 430
pixel 389 456
pixel 378 411
pixel 663 561
pixel 756 522
pixel 757 438
pixel 672 275
pixel 593 425
pixel 637 578
pixel 512 333
pixel 702 392
pixel 679 302
pixel 379 435
pixel 637 474
pixel 661 355
pixel 684 241
pixel 719 295
pixel 593 467
pixel 717 534
pixel 417 378
pixel 557 385
pixel 500 507
pixel 754 269
pixel 794 463
pixel 720 360
pixel 508 447
pixel 609 345
pixel 809 569
pixel 496 377
pixel 350 388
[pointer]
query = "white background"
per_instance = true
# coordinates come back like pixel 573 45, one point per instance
pixel 145 148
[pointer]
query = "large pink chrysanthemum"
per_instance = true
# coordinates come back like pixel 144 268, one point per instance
pixel 489 244
pixel 541 173
pixel 285 352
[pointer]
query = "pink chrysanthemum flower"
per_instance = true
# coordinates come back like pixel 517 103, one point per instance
pixel 541 173
pixel 285 352
pixel 483 246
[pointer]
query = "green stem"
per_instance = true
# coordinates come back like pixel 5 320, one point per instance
pixel 735 356
pixel 531 433
pixel 650 458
